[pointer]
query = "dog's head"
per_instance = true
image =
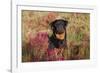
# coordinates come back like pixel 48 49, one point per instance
pixel 59 28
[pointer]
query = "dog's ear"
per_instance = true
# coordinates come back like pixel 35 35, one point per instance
pixel 65 22
pixel 52 25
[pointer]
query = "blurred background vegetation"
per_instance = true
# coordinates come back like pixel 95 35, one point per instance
pixel 78 32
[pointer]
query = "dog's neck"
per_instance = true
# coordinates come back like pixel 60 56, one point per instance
pixel 58 43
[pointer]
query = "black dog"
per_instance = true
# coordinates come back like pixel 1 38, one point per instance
pixel 58 38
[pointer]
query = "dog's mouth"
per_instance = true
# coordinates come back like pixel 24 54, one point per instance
pixel 60 35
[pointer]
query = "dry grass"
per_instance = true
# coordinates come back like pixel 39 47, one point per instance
pixel 78 32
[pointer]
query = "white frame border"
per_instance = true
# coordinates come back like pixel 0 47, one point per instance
pixel 17 66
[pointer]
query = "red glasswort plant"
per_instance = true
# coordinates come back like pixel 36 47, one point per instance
pixel 41 52
pixel 54 54
pixel 39 45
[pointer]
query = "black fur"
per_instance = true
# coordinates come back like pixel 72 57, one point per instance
pixel 58 27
